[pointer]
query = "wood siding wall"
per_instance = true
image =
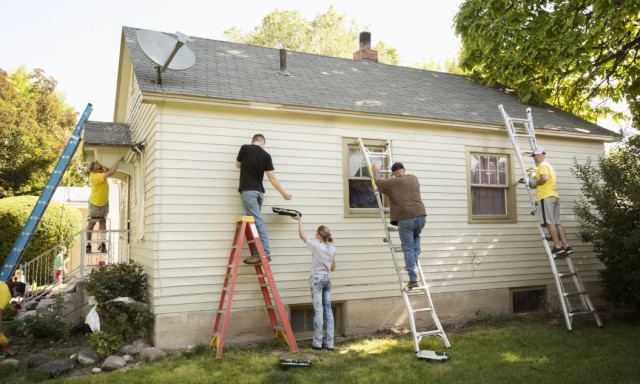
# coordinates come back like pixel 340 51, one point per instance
pixel 192 204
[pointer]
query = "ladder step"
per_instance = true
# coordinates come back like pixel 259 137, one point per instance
pixel 571 294
pixel 523 135
pixel 271 306
pixel 578 313
pixel 570 274
pixel 427 309
pixel 392 228
pixel 429 333
pixel 397 249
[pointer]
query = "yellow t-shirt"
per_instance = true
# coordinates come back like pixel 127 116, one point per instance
pixel 5 295
pixel 99 190
pixel 547 189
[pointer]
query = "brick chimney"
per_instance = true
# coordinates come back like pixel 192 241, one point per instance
pixel 365 51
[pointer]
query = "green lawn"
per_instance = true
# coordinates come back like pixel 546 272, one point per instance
pixel 496 350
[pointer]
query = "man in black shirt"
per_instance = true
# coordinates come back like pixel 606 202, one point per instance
pixel 253 162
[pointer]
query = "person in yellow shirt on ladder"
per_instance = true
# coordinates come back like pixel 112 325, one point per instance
pixel 548 210
pixel 99 197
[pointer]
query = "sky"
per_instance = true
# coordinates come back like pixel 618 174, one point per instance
pixel 77 42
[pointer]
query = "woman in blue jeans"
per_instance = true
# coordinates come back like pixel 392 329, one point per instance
pixel 323 260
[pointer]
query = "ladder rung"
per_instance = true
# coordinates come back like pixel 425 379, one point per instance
pixel 577 313
pixel 397 249
pixel 570 294
pixel 272 306
pixel 392 228
pixel 522 135
pixel 570 274
pixel 385 210
pixel 429 333
pixel 518 120
pixel 427 309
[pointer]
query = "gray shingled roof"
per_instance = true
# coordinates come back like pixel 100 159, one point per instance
pixel 97 132
pixel 243 72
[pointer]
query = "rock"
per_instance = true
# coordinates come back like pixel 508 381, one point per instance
pixel 56 367
pixel 152 353
pixel 74 357
pixel 34 361
pixel 88 357
pixel 127 358
pixel 112 363
pixel 140 343
pixel 10 362
pixel 96 370
pixel 129 350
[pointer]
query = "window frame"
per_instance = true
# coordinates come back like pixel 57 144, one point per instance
pixel 510 190
pixel 350 142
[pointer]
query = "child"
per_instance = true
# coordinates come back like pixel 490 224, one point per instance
pixel 323 260
pixel 5 297
pixel 58 266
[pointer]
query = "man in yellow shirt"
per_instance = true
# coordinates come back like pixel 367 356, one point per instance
pixel 548 211
pixel 99 197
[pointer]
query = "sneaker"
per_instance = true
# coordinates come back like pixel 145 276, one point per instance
pixel 88 248
pixel 327 348
pixel 103 248
pixel 568 250
pixel 316 348
pixel 412 284
pixel 558 251
pixel 252 260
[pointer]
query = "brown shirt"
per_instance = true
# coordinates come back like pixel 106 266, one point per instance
pixel 404 197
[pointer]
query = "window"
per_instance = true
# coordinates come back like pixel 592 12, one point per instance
pixel 302 320
pixel 359 196
pixel 524 300
pixel 491 196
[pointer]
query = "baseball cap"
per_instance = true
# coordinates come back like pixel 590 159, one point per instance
pixel 538 151
pixel 396 166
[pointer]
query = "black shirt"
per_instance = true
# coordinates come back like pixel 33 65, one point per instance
pixel 255 161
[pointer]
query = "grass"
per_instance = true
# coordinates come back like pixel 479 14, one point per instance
pixel 493 350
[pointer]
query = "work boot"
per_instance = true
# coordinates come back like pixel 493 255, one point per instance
pixel 252 260
pixel 3 340
pixel 103 248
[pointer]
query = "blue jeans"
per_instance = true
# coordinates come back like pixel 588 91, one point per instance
pixel 409 231
pixel 252 204
pixel 322 314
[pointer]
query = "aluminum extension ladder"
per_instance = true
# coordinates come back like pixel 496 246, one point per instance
pixel 385 158
pixel 39 209
pixel 246 228
pixel 523 129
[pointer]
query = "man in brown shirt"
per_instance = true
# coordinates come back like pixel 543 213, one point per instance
pixel 407 212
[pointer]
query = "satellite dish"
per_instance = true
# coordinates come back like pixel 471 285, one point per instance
pixel 165 51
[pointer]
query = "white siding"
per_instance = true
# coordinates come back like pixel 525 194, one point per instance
pixel 192 204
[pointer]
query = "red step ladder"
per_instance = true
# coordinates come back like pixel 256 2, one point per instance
pixel 246 227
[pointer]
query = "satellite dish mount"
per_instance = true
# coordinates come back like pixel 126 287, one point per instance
pixel 166 52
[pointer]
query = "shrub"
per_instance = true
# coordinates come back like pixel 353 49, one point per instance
pixel 45 326
pixel 105 343
pixel 58 223
pixel 609 218
pixel 11 311
pixel 122 319
pixel 109 281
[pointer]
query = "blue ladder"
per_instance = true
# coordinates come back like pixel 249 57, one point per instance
pixel 43 202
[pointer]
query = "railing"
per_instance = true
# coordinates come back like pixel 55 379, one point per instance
pixel 39 273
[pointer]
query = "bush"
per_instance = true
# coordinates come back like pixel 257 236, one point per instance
pixel 124 320
pixel 609 218
pixel 58 223
pixel 10 312
pixel 105 343
pixel 109 281
pixel 45 326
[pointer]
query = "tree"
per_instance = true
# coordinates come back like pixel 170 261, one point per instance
pixel 576 55
pixel 35 124
pixel 329 34
pixel 609 218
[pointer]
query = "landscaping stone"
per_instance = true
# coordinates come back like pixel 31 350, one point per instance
pixel 88 357
pixel 152 353
pixel 11 362
pixel 34 361
pixel 129 350
pixel 112 363
pixel 96 370
pixel 127 358
pixel 56 367
pixel 140 343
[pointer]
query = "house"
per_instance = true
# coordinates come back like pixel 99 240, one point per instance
pixel 179 187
